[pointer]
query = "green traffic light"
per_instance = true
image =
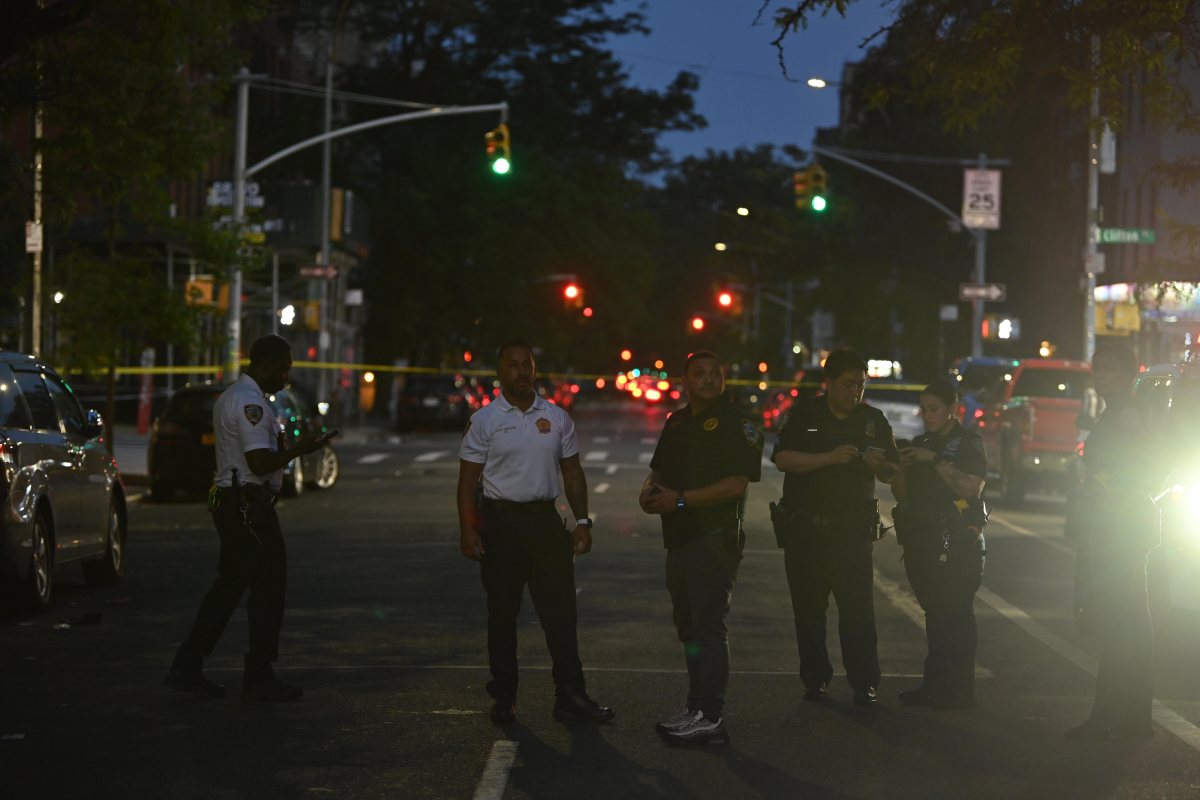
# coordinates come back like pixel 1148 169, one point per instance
pixel 501 166
pixel 818 203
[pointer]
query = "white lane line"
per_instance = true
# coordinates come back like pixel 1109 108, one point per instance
pixel 432 456
pixel 601 488
pixel 601 440
pixel 596 455
pixel 495 774
pixel 645 458
pixel 611 469
pixel 1057 545
pixel 372 458
pixel 1186 731
pixel 649 440
pixel 907 604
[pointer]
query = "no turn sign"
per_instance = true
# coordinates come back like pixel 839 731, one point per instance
pixel 981 198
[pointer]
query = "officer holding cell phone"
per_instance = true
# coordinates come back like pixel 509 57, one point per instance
pixel 250 462
pixel 939 522
pixel 832 449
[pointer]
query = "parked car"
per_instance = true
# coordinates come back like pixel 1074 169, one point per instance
pixel 63 499
pixel 900 403
pixel 1033 433
pixel 182 443
pixel 977 380
pixel 445 401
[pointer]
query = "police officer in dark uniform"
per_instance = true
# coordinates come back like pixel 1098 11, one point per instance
pixel 1118 528
pixel 832 448
pixel 939 522
pixel 706 457
pixel 250 462
pixel 510 460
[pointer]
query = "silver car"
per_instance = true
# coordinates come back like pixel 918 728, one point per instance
pixel 61 496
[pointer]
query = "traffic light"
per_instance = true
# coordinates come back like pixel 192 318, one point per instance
pixel 818 183
pixel 802 185
pixel 498 150
pixel 697 324
pixel 725 299
pixel 573 295
pixel 729 300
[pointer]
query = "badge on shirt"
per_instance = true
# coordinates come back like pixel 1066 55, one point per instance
pixel 711 423
pixel 543 425
pixel 952 445
pixel 253 413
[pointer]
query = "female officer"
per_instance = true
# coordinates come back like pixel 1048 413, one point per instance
pixel 939 522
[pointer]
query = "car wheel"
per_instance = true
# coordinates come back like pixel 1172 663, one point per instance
pixel 294 486
pixel 112 568
pixel 328 468
pixel 38 586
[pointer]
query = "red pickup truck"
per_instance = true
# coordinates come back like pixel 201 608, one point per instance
pixel 1032 436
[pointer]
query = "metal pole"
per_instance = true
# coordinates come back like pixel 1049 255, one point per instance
pixel 170 290
pixel 275 292
pixel 234 325
pixel 326 213
pixel 1093 211
pixel 979 276
pixel 789 358
pixel 36 307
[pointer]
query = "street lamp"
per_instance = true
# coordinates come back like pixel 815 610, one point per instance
pixel 743 211
pixel 817 83
pixel 720 247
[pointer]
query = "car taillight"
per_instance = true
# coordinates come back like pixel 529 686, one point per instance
pixel 6 453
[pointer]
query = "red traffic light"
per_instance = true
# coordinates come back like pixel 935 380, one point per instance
pixel 571 291
pixel 697 323
pixel 725 299
pixel 626 355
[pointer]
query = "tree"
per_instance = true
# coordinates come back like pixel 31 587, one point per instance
pixel 129 94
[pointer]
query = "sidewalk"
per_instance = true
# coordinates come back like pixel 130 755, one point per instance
pixel 130 448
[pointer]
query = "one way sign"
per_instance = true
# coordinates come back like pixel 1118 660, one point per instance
pixel 988 292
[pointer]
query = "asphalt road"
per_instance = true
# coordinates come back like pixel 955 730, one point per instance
pixel 385 631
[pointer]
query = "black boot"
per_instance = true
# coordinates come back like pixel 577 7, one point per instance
pixel 573 705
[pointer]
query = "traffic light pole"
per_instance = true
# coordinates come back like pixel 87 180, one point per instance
pixel 978 234
pixel 242 173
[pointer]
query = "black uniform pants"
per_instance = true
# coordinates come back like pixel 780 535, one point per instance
pixel 1121 613
pixel 946 592
pixel 824 561
pixel 257 561
pixel 529 548
pixel 700 578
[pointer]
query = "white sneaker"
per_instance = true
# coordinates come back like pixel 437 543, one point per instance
pixel 699 731
pixel 684 717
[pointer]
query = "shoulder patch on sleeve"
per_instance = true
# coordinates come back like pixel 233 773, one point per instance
pixel 753 437
pixel 253 413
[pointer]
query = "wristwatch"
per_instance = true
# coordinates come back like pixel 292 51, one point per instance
pixel 680 502
pixel 585 521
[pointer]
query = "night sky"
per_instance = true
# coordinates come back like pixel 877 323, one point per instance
pixel 743 94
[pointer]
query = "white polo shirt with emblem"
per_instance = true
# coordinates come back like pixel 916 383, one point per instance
pixel 243 420
pixel 519 450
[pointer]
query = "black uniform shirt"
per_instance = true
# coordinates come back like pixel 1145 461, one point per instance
pixel 811 427
pixel 960 447
pixel 1122 453
pixel 696 451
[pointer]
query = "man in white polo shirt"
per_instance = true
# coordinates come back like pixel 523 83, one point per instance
pixel 250 462
pixel 510 459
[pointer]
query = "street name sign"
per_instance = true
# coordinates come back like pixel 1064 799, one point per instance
pixel 981 198
pixel 988 292
pixel 1125 235
pixel 318 271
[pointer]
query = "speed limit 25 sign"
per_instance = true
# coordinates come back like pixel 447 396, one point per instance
pixel 981 198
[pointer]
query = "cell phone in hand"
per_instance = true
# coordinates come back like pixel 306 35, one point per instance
pixel 874 451
pixel 903 443
pixel 329 435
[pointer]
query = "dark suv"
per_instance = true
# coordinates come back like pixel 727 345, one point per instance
pixel 183 456
pixel 62 494
pixel 445 401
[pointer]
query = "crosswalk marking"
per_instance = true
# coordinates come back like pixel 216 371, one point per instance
pixel 611 469
pixel 495 774
pixel 372 458
pixel 596 455
pixel 432 456
pixel 602 440
pixel 645 458
pixel 601 488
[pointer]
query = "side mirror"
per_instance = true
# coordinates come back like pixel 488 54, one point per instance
pixel 95 423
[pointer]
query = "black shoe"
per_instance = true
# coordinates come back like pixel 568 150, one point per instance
pixel 815 694
pixel 271 690
pixel 917 697
pixel 866 697
pixel 195 683
pixel 504 711
pixel 578 707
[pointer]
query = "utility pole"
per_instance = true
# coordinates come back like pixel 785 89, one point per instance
pixel 979 276
pixel 36 305
pixel 1093 210
pixel 234 325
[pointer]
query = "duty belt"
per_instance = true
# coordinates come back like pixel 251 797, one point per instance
pixel 531 507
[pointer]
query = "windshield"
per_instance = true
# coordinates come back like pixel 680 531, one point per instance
pixel 1064 383
pixel 980 379
pixel 875 396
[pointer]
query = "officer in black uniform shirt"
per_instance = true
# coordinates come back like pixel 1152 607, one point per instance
pixel 832 448
pixel 939 522
pixel 1119 526
pixel 706 458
